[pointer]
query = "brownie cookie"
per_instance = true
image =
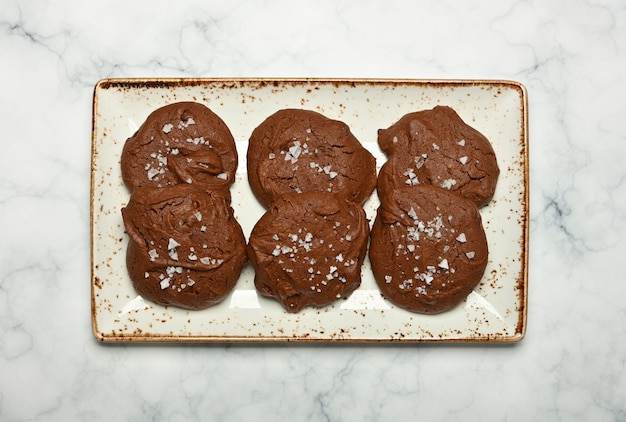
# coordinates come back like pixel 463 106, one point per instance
pixel 186 249
pixel 307 249
pixel 436 147
pixel 183 142
pixel 300 150
pixel 428 248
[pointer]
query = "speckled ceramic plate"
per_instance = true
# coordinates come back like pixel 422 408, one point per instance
pixel 494 312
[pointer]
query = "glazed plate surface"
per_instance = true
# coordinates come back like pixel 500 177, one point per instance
pixel 494 312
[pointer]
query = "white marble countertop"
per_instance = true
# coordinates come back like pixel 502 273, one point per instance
pixel 571 56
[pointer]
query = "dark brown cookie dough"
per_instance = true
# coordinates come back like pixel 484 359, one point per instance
pixel 186 249
pixel 307 249
pixel 428 248
pixel 180 143
pixel 300 150
pixel 436 147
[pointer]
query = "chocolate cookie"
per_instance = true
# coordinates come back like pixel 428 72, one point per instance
pixel 180 143
pixel 300 150
pixel 186 248
pixel 436 147
pixel 428 248
pixel 307 249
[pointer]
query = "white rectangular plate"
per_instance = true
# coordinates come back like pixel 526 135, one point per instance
pixel 494 312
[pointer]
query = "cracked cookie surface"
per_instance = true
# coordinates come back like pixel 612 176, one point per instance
pixel 296 150
pixel 428 248
pixel 180 143
pixel 185 247
pixel 307 249
pixel 436 147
